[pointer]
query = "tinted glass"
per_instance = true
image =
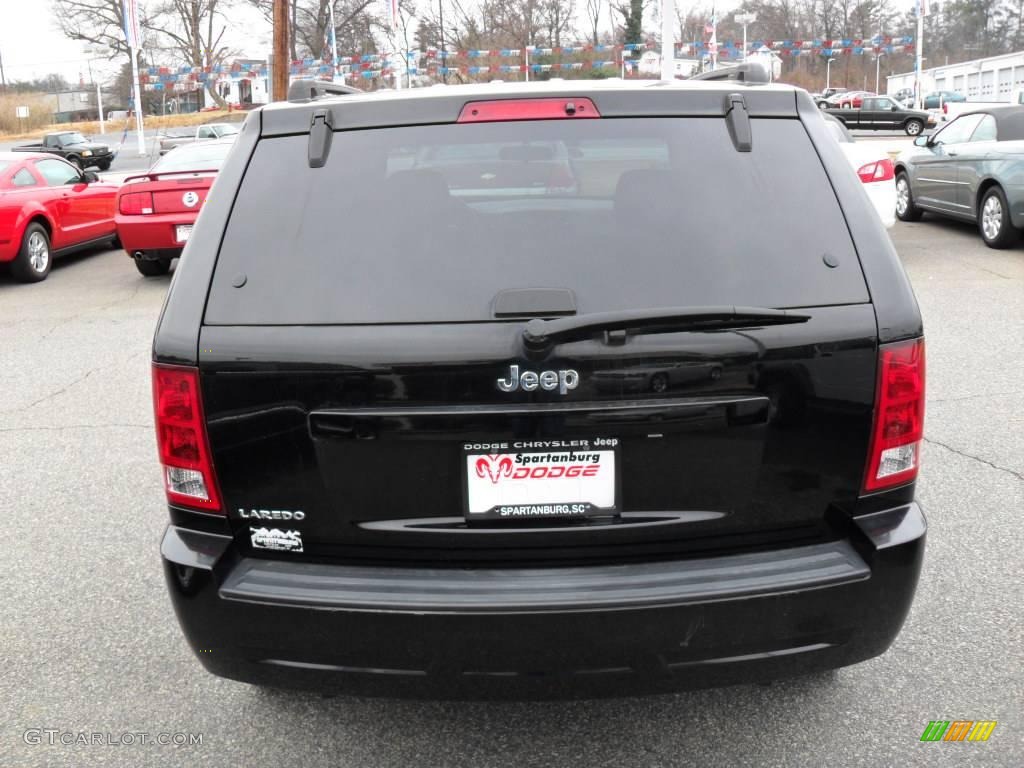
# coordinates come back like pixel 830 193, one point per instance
pixel 428 224
pixel 958 131
pixel 986 130
pixel 57 172
pixel 208 156
pixel 23 178
pixel 72 138
pixel 4 164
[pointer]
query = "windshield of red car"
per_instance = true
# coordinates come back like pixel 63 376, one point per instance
pixel 206 156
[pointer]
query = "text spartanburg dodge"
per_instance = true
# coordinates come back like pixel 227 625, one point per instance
pixel 546 389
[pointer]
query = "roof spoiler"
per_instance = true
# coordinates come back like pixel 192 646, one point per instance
pixel 311 90
pixel 748 72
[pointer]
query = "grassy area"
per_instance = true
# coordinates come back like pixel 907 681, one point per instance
pixel 92 128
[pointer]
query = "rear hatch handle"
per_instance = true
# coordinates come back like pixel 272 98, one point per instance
pixel 539 336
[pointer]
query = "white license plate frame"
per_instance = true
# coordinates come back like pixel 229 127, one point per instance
pixel 182 229
pixel 577 478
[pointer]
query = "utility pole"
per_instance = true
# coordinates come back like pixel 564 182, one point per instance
pixel 282 60
pixel 3 78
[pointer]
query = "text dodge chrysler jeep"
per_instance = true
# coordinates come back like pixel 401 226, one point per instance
pixel 433 419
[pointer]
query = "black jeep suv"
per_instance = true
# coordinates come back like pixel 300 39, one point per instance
pixel 539 389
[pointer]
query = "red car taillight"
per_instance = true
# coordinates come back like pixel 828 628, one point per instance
pixel 181 439
pixel 895 454
pixel 883 170
pixel 131 203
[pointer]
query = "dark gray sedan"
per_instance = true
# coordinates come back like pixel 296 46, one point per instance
pixel 971 169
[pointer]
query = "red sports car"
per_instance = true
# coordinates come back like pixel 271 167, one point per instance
pixel 854 99
pixel 48 207
pixel 156 210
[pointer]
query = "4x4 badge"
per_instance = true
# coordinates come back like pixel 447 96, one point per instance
pixel 563 380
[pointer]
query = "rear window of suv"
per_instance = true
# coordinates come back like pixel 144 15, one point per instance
pixel 430 223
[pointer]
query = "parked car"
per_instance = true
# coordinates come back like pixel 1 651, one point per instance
pixel 156 209
pixel 200 133
pixel 971 170
pixel 881 113
pixel 904 96
pixel 936 99
pixel 873 167
pixel 73 147
pixel 853 99
pixel 826 95
pixel 49 208
pixel 388 461
pixel 831 101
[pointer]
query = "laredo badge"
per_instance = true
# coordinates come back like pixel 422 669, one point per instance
pixel 273 538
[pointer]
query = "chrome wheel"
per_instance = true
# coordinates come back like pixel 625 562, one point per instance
pixel 38 252
pixel 902 195
pixel 991 217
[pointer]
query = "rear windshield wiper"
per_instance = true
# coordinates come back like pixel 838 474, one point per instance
pixel 540 335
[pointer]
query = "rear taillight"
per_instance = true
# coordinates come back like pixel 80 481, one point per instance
pixel 895 454
pixel 181 439
pixel 882 170
pixel 527 109
pixel 135 203
pixel 945 108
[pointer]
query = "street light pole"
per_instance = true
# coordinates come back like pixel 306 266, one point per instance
pixel 99 95
pixel 878 59
pixel 745 19
pixel 828 73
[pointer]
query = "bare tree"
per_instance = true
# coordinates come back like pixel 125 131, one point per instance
pixel 194 31
pixel 98 22
pixel 557 17
pixel 594 8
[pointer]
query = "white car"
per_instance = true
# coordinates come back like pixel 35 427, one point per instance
pixel 873 166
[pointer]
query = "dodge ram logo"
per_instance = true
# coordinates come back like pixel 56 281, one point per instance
pixel 494 467
pixel 563 380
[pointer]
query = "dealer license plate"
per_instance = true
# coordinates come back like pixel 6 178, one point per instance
pixel 182 231
pixel 541 479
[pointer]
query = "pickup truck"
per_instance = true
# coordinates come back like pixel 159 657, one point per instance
pixel 201 133
pixel 73 147
pixel 882 113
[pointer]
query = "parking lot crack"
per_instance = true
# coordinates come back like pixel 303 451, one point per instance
pixel 980 460
pixel 75 426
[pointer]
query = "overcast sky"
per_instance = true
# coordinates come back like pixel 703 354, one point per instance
pixel 31 45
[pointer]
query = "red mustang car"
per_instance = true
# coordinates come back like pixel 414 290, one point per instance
pixel 156 210
pixel 854 99
pixel 48 207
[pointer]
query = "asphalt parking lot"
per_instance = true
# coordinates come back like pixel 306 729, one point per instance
pixel 88 641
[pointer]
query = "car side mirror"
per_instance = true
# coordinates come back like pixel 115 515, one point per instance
pixel 89 177
pixel 923 141
pixel 894 107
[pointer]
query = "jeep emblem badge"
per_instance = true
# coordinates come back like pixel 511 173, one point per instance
pixel 563 380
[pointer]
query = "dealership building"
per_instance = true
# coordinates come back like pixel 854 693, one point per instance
pixel 990 79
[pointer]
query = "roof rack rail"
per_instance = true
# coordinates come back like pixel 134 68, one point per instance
pixel 748 72
pixel 311 90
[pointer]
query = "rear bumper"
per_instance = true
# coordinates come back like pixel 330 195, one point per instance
pixel 593 630
pixel 151 232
